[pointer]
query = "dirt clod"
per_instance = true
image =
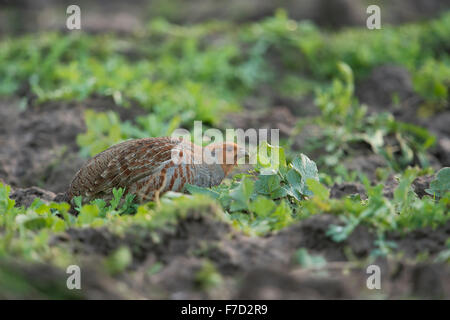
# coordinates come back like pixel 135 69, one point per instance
pixel 347 188
pixel 25 197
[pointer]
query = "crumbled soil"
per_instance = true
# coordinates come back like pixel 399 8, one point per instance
pixel 39 156
pixel 39 143
pixel 424 240
pixel 381 87
pixel 420 184
pixel 367 164
pixel 276 118
pixel 272 284
pixel 25 196
pixel 21 280
pixel 442 150
pixel 249 268
pixel 264 267
pixel 390 88
pixel 348 188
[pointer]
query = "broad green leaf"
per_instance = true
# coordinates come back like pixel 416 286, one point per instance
pixel 262 206
pixel 59 225
pixel 35 223
pixel 318 189
pixel 440 185
pixel 295 188
pixel 306 167
pixel 193 189
pixel 302 169
pixel 283 215
pixel 270 185
pixel 88 214
pixel 241 195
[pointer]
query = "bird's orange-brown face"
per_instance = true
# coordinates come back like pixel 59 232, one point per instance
pixel 226 154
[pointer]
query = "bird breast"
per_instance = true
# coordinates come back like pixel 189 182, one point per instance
pixel 208 175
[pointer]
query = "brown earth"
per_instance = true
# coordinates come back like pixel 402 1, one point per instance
pixel 39 156
pixel 253 268
pixel 39 143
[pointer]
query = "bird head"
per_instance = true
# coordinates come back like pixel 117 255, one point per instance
pixel 226 154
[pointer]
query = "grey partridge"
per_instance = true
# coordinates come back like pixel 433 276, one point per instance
pixel 149 167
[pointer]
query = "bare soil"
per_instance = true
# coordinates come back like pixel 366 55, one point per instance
pixel 39 156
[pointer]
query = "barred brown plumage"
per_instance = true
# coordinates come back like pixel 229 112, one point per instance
pixel 149 167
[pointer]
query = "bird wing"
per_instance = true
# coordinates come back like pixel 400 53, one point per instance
pixel 122 164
